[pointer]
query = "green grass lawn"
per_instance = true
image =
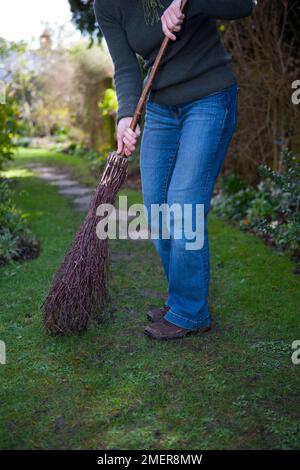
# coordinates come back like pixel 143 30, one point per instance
pixel 76 166
pixel 112 387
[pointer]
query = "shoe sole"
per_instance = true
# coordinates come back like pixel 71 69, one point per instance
pixel 179 336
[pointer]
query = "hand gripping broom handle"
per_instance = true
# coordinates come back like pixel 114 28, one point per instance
pixel 142 100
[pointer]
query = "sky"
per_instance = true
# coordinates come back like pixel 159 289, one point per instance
pixel 24 19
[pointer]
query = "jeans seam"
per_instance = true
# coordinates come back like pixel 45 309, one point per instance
pixel 216 150
pixel 202 256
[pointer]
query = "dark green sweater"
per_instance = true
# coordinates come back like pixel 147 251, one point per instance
pixel 195 65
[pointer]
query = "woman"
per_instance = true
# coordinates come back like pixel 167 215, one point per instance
pixel 189 122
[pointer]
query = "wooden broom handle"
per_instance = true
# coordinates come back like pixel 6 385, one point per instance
pixel 142 100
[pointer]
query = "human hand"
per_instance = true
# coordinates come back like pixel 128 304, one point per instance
pixel 172 19
pixel 127 136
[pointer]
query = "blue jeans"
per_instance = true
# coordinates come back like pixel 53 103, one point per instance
pixel 182 151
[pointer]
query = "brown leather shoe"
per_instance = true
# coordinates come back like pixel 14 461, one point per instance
pixel 157 313
pixel 164 330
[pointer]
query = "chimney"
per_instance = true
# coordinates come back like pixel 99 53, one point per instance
pixel 45 40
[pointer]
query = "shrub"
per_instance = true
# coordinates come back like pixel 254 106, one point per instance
pixel 16 239
pixel 234 199
pixel 234 206
pixel 272 209
pixel 9 128
pixel 283 225
pixel 232 184
pixel 109 104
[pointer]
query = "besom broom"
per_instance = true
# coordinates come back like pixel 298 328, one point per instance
pixel 79 289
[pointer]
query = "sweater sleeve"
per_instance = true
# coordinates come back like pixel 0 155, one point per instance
pixel 127 74
pixel 221 9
